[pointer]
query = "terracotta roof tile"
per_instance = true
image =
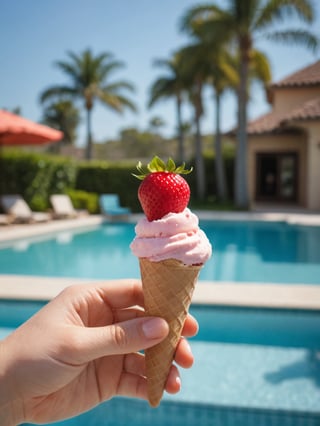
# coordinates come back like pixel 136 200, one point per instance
pixel 310 110
pixel 267 123
pixel 274 123
pixel 308 76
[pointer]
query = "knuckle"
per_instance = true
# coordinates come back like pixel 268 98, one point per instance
pixel 70 291
pixel 119 336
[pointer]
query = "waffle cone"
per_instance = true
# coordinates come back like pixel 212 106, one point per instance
pixel 168 287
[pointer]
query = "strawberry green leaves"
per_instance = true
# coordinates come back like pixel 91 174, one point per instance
pixel 158 165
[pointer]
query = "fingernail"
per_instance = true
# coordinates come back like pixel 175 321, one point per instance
pixel 188 347
pixel 154 328
pixel 178 382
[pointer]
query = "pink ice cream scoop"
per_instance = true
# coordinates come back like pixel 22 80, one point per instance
pixel 175 236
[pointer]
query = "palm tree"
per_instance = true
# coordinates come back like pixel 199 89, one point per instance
pixel 222 77
pixel 241 24
pixel 64 116
pixel 195 71
pixel 171 85
pixel 89 76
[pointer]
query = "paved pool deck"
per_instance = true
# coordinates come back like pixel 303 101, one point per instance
pixel 215 293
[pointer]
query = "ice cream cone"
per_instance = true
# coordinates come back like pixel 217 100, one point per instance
pixel 168 287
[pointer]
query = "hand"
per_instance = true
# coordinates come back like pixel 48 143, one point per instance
pixel 81 349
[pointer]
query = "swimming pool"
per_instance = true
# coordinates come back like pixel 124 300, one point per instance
pixel 252 367
pixel 273 252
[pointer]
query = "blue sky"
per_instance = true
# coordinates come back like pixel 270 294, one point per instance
pixel 36 33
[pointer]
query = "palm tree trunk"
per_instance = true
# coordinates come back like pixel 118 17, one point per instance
pixel 181 152
pixel 198 110
pixel 241 191
pixel 219 165
pixel 89 136
pixel 200 172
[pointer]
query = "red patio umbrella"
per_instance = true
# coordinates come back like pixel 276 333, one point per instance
pixel 16 130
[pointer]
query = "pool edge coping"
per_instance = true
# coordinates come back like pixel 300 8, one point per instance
pixel 281 296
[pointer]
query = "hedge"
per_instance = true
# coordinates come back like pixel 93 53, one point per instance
pixel 105 178
pixel 37 176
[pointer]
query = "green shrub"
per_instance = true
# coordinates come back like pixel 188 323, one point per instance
pixel 83 200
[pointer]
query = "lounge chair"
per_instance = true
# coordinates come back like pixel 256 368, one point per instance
pixel 5 219
pixel 16 207
pixel 63 207
pixel 110 206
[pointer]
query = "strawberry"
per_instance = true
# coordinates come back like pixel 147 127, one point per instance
pixel 162 189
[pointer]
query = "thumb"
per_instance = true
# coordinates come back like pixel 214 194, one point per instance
pixel 121 338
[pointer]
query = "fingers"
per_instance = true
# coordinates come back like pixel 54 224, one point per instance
pixel 173 384
pixel 121 293
pixel 134 363
pixel 90 343
pixel 190 327
pixel 135 385
pixel 117 294
pixel 128 314
pixel 131 335
pixel 133 382
pixel 126 337
pixel 124 298
pixel 184 357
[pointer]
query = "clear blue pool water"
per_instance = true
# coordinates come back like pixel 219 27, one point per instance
pixel 252 367
pixel 243 251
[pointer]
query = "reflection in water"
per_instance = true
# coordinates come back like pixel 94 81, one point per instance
pixel 22 245
pixel 64 238
pixel 114 230
pixel 308 367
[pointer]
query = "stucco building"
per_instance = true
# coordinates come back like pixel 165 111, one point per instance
pixel 284 144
